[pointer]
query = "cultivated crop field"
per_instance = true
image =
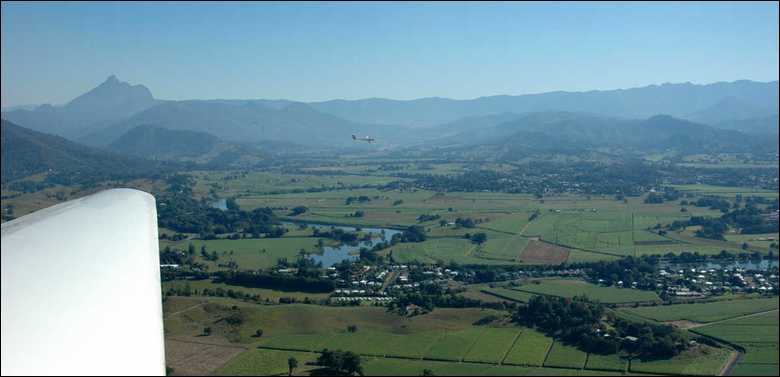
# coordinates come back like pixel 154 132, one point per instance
pixel 565 356
pixel 757 334
pixel 269 294
pixel 544 253
pixel 530 348
pixel 492 345
pixel 571 288
pixel 701 361
pixel 249 253
pixel 705 312
pixel 589 228
pixel 447 335
pixel 606 362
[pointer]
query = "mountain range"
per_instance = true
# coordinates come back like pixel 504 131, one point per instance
pixel 100 107
pixel 26 152
pixel 128 119
pixel 684 100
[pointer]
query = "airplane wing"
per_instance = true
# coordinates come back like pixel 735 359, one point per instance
pixel 81 288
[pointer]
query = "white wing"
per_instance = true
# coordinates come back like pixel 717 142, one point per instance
pixel 81 288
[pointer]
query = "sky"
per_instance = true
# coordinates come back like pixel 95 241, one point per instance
pixel 53 52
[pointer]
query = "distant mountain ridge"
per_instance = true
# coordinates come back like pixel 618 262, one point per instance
pixel 102 115
pixel 678 100
pixel 238 121
pixel 109 102
pixel 26 152
pixel 157 142
pixel 577 132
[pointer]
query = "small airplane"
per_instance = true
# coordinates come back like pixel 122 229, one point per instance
pixel 368 139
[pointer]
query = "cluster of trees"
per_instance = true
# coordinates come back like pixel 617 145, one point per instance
pixel 669 194
pixel 584 324
pixel 465 222
pixel 340 363
pixel 298 210
pixel 653 341
pixel 179 211
pixel 414 233
pixel 477 238
pixel 629 270
pixel 282 282
pixel 360 199
pixel 424 217
pixel 430 300
pixel 337 234
pixel 630 178
pixel 713 202
pixel 749 220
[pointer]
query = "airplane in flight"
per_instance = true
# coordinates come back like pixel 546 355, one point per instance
pixel 368 139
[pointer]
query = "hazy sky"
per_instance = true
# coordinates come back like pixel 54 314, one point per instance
pixel 52 52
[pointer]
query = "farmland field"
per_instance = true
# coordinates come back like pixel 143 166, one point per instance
pixel 571 288
pixel 700 361
pixel 270 294
pixel 453 345
pixel 250 253
pixel 492 345
pixel 544 253
pixel 757 334
pixel 606 362
pixel 511 294
pixel 761 328
pixel 565 356
pixel 296 330
pixel 705 312
pixel 530 348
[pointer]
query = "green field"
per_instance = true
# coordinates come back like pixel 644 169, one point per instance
pixel 263 362
pixel 453 345
pixel 273 362
pixel 248 253
pixel 742 369
pixel 565 356
pixel 396 367
pixel 492 345
pixel 571 288
pixel 606 227
pixel 699 361
pixel 762 328
pixel 445 334
pixel 705 312
pixel 511 294
pixel 606 362
pixel 270 294
pixel 530 348
pixel 757 335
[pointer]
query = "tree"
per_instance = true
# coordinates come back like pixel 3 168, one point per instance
pixel 414 233
pixel 427 372
pixel 258 333
pixel 341 362
pixel 479 238
pixel 191 249
pixel 206 331
pixel 292 363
